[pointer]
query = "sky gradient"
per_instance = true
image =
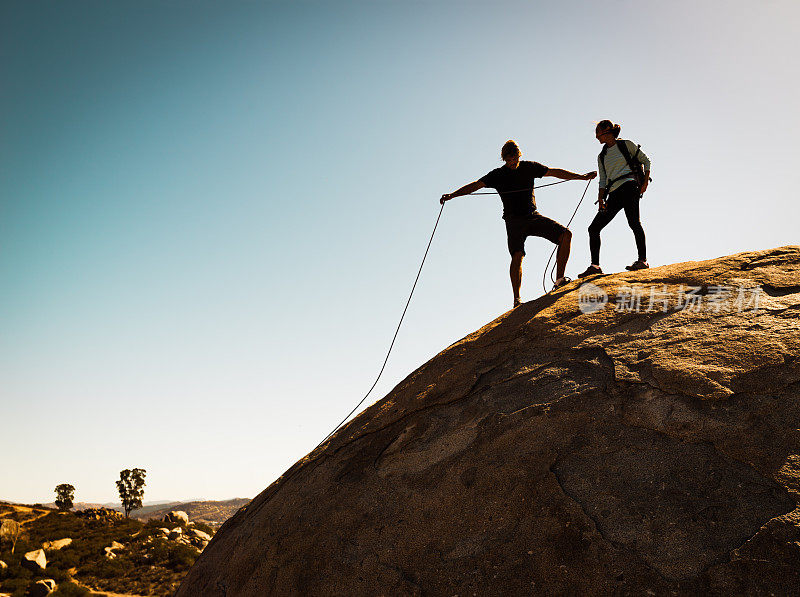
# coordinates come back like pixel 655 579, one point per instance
pixel 211 214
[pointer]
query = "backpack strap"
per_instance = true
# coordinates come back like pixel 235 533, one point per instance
pixel 623 149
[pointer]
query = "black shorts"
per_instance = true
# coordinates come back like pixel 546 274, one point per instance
pixel 518 229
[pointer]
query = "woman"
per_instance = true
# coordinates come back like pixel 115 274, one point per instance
pixel 619 189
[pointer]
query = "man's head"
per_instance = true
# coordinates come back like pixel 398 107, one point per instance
pixel 510 153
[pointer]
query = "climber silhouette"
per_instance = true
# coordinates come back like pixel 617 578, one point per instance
pixel 624 176
pixel 515 182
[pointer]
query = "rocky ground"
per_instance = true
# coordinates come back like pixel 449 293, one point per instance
pixel 94 551
pixel 212 513
pixel 637 436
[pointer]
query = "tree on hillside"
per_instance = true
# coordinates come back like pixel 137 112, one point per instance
pixel 131 489
pixel 64 494
pixel 10 530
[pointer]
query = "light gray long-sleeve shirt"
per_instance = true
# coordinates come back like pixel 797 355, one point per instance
pixel 614 164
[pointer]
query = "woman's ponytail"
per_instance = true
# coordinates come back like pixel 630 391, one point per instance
pixel 607 125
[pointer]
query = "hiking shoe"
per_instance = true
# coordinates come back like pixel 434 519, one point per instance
pixel 592 270
pixel 561 282
pixel 638 264
pixel 517 303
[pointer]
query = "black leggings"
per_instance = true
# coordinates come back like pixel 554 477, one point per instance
pixel 625 197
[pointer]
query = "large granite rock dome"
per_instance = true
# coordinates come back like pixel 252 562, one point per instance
pixel 568 447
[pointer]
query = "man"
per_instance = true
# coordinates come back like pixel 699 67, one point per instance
pixel 514 182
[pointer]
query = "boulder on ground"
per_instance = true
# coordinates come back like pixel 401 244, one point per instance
pixel 3 568
pixel 198 543
pixel 175 533
pixel 633 434
pixel 35 561
pixel 200 534
pixel 42 588
pixel 57 544
pixel 110 550
pixel 164 531
pixel 177 516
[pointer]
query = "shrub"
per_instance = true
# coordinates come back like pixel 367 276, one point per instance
pixel 159 551
pixel 182 557
pixel 65 558
pixel 106 568
pixel 70 589
pixel 16 586
pixel 201 526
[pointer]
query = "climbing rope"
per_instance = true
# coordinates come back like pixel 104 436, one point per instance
pixel 552 276
pixel 549 184
pixel 413 287
pixel 386 360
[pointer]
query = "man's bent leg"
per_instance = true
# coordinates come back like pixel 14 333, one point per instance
pixel 516 273
pixel 557 234
pixel 564 243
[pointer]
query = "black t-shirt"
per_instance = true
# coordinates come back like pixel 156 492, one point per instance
pixel 515 187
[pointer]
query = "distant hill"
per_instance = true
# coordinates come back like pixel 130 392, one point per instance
pixel 144 512
pixel 212 513
pixel 208 512
pixel 117 505
pixel 78 505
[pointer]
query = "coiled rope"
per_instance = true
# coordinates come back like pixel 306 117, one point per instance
pixel 552 276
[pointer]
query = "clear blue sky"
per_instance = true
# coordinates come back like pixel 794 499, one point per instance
pixel 211 213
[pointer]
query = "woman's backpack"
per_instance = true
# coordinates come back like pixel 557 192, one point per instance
pixel 634 164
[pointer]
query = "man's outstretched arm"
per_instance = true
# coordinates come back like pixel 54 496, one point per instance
pixel 567 175
pixel 465 190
